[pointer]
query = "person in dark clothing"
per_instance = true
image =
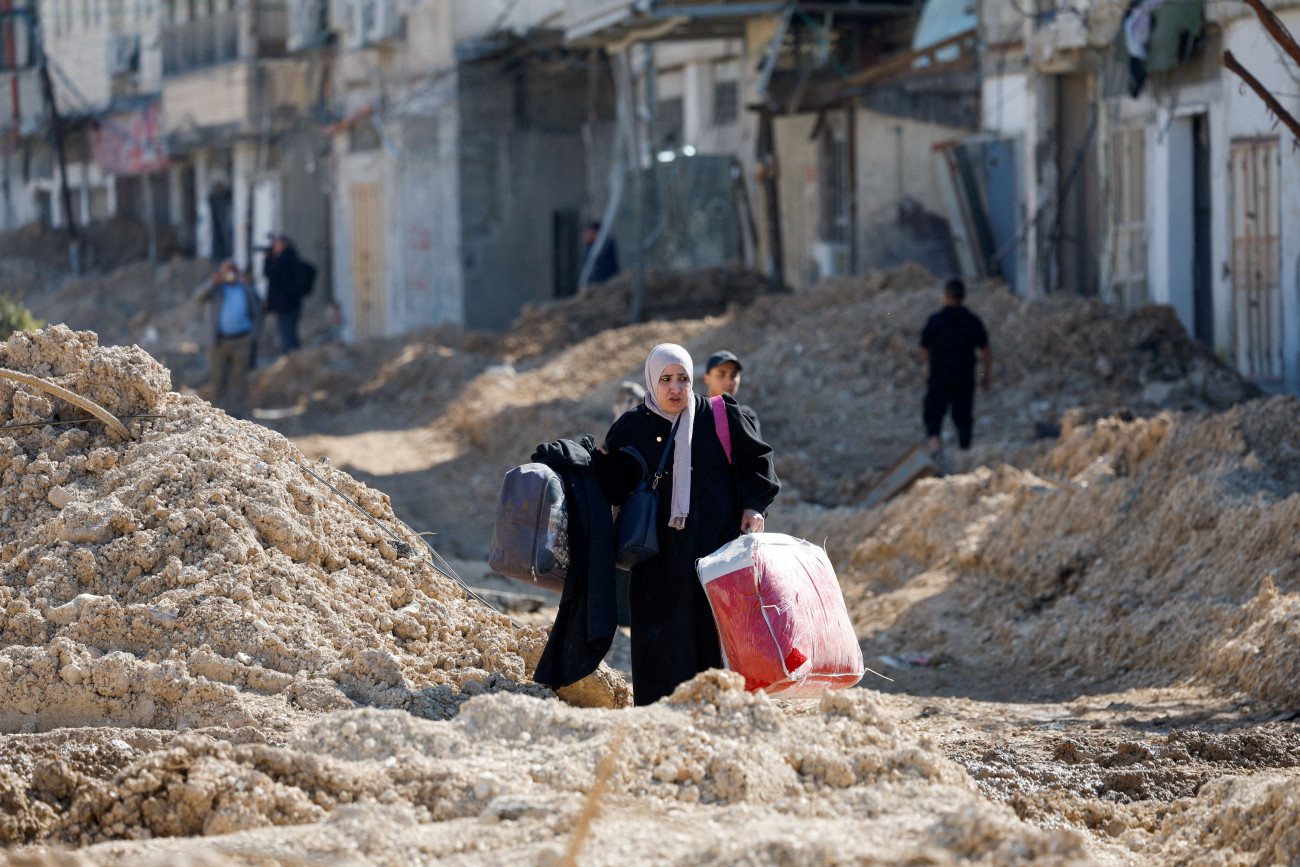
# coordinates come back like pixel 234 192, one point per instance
pixel 949 343
pixel 704 503
pixel 606 265
pixel 722 376
pixel 283 271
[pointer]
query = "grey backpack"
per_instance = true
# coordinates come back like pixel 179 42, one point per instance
pixel 530 541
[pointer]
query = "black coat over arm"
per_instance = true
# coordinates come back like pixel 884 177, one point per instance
pixel 588 616
pixel 673 632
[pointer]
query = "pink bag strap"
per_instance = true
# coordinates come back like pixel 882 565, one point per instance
pixel 721 424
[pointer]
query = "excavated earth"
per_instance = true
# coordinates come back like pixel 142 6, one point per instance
pixel 208 655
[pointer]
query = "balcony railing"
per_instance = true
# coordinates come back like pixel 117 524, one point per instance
pixel 215 39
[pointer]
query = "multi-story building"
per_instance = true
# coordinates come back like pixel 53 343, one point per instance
pixel 22 112
pixel 460 163
pixel 244 101
pixel 1146 172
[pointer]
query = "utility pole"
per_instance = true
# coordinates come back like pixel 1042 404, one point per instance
pixel 644 157
pixel 56 135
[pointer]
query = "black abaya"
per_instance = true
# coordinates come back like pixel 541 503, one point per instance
pixel 673 632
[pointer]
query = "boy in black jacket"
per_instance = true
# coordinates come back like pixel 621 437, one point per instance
pixel 948 343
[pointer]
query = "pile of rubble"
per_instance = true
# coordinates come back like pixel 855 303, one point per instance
pixel 212 614
pixel 1136 553
pixel 834 374
pixel 199 576
pixel 668 295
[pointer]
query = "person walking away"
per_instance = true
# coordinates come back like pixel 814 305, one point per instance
pixel 722 376
pixel 949 343
pixel 606 265
pixel 705 501
pixel 236 312
pixel 283 269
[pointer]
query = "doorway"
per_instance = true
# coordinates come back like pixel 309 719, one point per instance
pixel 566 251
pixel 1202 270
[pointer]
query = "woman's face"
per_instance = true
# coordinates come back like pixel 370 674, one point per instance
pixel 673 389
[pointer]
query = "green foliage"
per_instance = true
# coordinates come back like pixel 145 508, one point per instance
pixel 14 316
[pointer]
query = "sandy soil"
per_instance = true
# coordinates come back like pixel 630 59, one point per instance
pixel 1090 638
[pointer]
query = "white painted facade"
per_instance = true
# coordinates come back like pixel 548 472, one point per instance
pixel 1016 104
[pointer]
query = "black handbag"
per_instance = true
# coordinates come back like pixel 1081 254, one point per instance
pixel 636 530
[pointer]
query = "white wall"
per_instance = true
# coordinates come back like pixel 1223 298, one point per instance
pixel 78 36
pixel 1004 103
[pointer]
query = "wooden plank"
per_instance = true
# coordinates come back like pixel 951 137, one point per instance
pixel 913 465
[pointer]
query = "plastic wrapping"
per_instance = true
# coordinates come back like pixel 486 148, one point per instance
pixel 781 615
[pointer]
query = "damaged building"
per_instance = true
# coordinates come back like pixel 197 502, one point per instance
pixel 461 164
pixel 1146 171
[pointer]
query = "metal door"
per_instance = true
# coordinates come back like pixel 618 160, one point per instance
pixel 1255 177
pixel 1128 282
pixel 369 303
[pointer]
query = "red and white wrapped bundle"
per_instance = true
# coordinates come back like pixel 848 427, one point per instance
pixel 781 616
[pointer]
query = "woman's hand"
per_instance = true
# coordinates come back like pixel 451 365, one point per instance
pixel 752 522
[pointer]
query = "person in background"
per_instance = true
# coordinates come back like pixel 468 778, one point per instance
pixel 283 270
pixel 236 313
pixel 949 343
pixel 722 376
pixel 606 264
pixel 705 501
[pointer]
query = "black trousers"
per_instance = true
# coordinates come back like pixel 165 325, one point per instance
pixel 959 394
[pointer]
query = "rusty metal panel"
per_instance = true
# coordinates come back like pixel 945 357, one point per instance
pixel 1255 179
pixel 369 302
pixel 1128 217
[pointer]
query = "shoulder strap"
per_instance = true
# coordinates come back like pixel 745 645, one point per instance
pixel 645 468
pixel 721 424
pixel 663 461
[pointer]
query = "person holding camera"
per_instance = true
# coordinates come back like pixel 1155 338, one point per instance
pixel 236 313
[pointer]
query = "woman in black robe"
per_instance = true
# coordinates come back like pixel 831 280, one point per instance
pixel 704 503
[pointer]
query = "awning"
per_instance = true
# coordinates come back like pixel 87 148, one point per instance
pixel 609 22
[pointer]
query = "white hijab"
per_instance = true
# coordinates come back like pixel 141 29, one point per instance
pixel 661 357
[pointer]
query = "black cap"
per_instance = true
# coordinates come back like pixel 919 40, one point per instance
pixel 722 356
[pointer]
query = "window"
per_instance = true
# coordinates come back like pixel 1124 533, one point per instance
pixel 726 92
pixel 362 136
pixel 726 102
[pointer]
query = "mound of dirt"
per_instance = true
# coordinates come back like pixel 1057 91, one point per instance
pixel 1141 552
pixel 834 374
pixel 840 394
pixel 710 775
pixel 198 576
pixel 106 244
pixel 410 379
pixel 669 295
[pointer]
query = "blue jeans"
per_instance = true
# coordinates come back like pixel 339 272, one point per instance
pixel 288 326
